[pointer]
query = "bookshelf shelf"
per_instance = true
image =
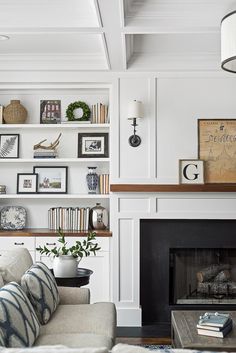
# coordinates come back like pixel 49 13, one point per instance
pixel 55 126
pixel 55 160
pixel 55 196
pixel 44 232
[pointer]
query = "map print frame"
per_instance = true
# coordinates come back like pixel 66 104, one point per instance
pixel 217 147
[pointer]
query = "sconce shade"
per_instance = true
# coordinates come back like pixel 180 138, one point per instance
pixel 135 110
pixel 228 42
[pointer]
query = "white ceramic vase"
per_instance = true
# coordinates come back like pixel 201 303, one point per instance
pixel 65 266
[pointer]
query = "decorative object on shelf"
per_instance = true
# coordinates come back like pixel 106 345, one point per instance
pixel 69 218
pixel 104 183
pixel 94 145
pixel 78 112
pixel 67 259
pixel 13 217
pixel 3 189
pixel 92 180
pixel 228 36
pixel 49 151
pixel 135 112
pixel 191 171
pixel 100 114
pixel 217 147
pixel 27 183
pixel 52 180
pixel 98 217
pixel 9 145
pixel 50 112
pixel 15 113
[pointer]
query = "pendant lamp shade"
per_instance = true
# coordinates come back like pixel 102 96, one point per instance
pixel 135 110
pixel 228 42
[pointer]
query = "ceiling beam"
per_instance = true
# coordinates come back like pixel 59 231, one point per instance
pixel 111 14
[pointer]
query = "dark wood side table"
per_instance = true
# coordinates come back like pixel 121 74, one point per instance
pixel 82 279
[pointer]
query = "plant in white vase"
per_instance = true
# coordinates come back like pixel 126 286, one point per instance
pixel 66 259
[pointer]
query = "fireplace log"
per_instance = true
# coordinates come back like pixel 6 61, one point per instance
pixel 223 276
pixel 210 272
pixel 215 288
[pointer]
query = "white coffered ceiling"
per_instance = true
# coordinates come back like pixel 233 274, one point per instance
pixel 137 35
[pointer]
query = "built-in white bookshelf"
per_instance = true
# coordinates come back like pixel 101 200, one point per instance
pixel 32 132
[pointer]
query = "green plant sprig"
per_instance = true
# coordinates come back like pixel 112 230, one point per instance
pixel 79 250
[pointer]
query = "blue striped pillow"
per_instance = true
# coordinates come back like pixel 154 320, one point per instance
pixel 19 326
pixel 40 285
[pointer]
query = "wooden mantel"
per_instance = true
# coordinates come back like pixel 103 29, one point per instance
pixel 173 187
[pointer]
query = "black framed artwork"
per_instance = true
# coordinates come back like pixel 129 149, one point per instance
pixel 93 145
pixel 27 183
pixel 9 145
pixel 52 180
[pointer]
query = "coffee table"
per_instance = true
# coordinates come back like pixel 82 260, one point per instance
pixel 184 333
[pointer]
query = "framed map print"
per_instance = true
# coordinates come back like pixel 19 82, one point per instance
pixel 217 147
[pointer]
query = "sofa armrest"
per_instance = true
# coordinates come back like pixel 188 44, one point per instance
pixel 74 295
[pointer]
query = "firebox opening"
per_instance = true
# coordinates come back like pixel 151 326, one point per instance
pixel 202 276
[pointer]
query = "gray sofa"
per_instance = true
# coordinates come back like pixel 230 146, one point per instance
pixel 75 323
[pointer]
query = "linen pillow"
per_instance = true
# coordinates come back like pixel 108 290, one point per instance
pixel 40 285
pixel 19 326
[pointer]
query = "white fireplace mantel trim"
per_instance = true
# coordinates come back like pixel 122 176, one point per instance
pixel 128 209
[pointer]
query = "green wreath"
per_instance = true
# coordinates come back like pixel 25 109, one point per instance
pixel 70 111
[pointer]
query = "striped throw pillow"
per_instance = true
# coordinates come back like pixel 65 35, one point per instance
pixel 19 326
pixel 40 286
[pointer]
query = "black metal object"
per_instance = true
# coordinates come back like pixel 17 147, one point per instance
pixel 134 140
pixel 157 237
pixel 82 279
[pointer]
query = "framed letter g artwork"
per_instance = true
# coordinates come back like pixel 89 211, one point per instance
pixel 191 171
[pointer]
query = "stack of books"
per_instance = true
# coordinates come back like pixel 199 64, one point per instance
pixel 214 325
pixel 69 218
pixel 104 183
pixel 41 153
pixel 100 114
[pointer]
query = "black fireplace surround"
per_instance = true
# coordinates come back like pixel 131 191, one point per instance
pixel 162 243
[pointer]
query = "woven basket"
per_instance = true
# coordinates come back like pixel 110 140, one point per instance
pixel 15 113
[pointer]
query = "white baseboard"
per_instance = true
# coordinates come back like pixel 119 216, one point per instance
pixel 129 317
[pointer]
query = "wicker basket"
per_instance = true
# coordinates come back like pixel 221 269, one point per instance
pixel 15 113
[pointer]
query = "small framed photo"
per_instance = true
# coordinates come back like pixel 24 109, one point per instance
pixel 191 171
pixel 50 112
pixel 9 145
pixel 27 183
pixel 52 180
pixel 94 145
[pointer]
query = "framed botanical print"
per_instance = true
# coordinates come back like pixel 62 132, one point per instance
pixel 217 147
pixel 94 145
pixel 52 180
pixel 9 145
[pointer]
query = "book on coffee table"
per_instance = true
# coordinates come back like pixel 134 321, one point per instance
pixel 214 320
pixel 212 333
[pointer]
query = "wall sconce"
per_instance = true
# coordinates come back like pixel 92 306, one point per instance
pixel 135 112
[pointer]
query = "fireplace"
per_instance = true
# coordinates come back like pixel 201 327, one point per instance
pixel 186 264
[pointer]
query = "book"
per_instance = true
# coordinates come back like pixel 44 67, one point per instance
pixel 214 328
pixel 220 334
pixel 214 319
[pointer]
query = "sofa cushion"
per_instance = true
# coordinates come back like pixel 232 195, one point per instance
pixel 96 318
pixel 53 349
pixel 41 288
pixel 14 263
pixel 1 281
pixel 74 340
pixel 19 326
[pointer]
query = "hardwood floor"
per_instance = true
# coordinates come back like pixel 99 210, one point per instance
pixel 143 340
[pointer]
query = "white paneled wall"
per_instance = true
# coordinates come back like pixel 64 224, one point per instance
pixel 173 103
